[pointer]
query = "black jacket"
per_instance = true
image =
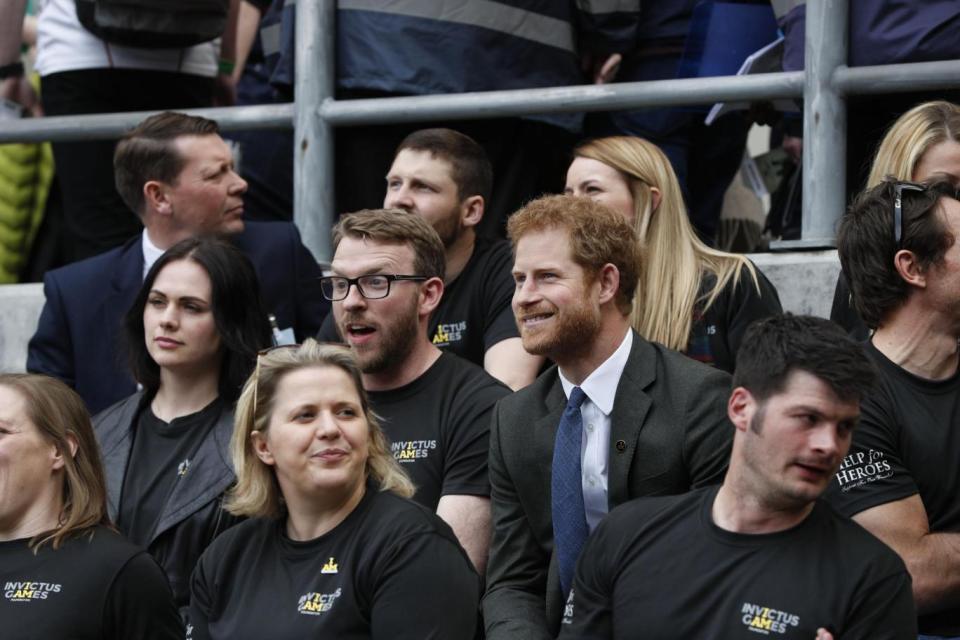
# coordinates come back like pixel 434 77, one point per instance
pixel 193 515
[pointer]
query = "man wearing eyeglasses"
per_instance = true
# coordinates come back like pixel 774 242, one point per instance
pixel 387 278
pixel 901 479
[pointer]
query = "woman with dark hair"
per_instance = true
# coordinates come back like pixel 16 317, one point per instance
pixel 333 547
pixel 65 572
pixel 193 333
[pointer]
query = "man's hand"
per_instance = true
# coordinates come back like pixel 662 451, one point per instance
pixel 18 89
pixel 601 70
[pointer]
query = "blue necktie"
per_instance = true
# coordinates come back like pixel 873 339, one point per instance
pixel 570 529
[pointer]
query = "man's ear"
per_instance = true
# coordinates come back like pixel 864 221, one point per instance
pixel 909 268
pixel 262 448
pixel 431 292
pixel 609 280
pixel 471 211
pixel 156 198
pixel 741 407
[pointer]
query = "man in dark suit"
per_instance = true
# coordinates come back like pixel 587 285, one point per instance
pixel 640 420
pixel 176 172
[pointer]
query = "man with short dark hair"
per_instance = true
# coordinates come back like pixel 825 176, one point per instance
pixel 899 248
pixel 445 177
pixel 639 419
pixel 177 174
pixel 387 278
pixel 760 553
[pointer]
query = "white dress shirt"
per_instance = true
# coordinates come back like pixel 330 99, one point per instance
pixel 600 388
pixel 150 253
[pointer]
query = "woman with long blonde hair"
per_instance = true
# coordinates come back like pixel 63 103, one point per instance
pixel 922 145
pixel 691 298
pixel 334 547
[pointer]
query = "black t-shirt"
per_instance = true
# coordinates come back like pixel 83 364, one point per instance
pixel 391 570
pixel 662 566
pixel 99 588
pixel 907 443
pixel 439 428
pixel 474 313
pixel 161 454
pixel 716 333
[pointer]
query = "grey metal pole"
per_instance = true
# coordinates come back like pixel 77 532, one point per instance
pixel 313 137
pixel 824 124
pixel 108 126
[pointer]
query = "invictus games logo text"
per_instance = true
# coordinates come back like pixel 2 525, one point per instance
pixel 314 604
pixel 449 333
pixel 863 467
pixel 27 591
pixel 766 620
pixel 411 450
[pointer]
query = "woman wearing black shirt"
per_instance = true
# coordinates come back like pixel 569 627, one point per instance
pixel 65 572
pixel 193 333
pixel 334 548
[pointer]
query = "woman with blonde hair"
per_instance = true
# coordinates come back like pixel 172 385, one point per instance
pixel 65 571
pixel 691 298
pixel 333 546
pixel 922 145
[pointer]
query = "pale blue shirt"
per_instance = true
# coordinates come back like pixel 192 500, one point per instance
pixel 600 388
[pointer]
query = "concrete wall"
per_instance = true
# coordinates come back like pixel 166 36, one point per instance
pixel 805 282
pixel 20 306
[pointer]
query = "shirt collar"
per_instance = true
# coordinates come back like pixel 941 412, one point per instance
pixel 601 385
pixel 150 253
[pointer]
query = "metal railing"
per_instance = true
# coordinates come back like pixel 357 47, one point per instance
pixel 823 86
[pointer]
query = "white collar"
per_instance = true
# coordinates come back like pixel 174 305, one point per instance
pixel 150 253
pixel 601 385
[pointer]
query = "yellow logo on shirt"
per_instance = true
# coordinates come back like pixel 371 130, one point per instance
pixel 330 566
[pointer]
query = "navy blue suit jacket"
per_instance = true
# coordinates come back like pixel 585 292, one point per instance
pixel 78 338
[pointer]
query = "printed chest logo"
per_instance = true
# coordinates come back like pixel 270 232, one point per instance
pixel 412 450
pixel 27 591
pixel 765 620
pixel 330 566
pixel 449 333
pixel 315 604
pixel 863 467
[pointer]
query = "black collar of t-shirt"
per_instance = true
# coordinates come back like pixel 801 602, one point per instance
pixel 750 539
pixel 300 549
pixel 924 385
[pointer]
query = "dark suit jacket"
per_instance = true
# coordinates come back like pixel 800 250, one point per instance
pixel 78 338
pixel 669 433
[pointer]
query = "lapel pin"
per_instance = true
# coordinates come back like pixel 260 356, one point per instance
pixel 621 445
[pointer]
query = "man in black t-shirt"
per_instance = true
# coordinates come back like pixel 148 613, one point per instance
pixel 759 554
pixel 901 480
pixel 435 407
pixel 445 177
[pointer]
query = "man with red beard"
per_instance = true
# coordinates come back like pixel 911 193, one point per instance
pixel 388 269
pixel 617 418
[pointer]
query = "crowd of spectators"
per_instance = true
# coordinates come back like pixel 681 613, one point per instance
pixel 596 424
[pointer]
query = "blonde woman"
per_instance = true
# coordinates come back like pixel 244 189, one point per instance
pixel 333 548
pixel 923 145
pixel 690 298
pixel 66 573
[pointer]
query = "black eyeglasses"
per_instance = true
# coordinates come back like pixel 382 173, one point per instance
pixel 372 287
pixel 898 188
